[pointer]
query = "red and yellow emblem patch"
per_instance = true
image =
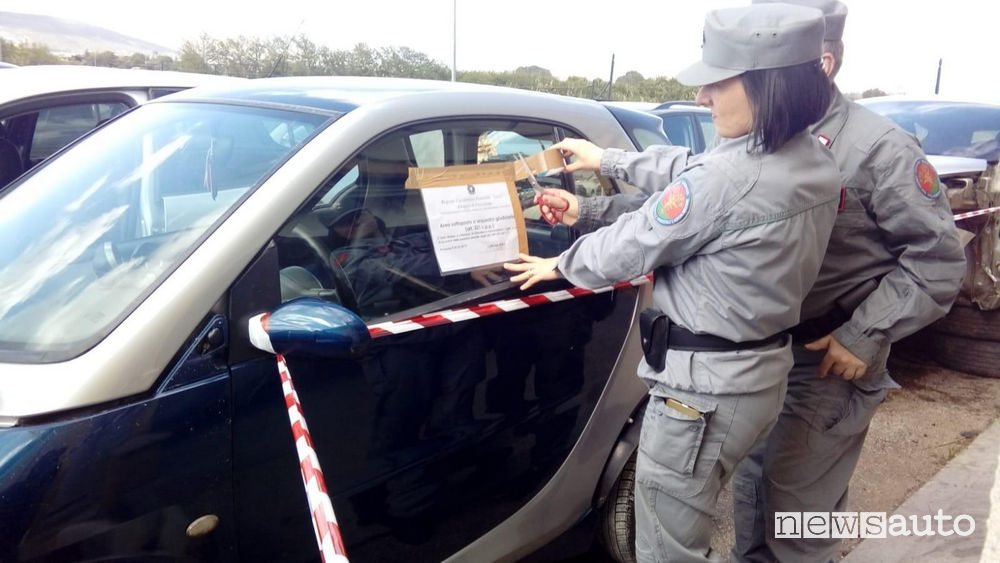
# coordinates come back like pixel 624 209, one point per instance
pixel 927 179
pixel 674 203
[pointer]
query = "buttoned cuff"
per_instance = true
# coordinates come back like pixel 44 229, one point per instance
pixel 610 159
pixel 852 337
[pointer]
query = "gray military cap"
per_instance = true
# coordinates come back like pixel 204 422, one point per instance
pixel 834 14
pixel 755 37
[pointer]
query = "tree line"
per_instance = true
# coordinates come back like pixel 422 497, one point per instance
pixel 251 57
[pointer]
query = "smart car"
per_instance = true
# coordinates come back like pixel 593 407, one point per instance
pixel 138 421
pixel 43 108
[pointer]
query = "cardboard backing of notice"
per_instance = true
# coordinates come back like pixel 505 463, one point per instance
pixel 547 161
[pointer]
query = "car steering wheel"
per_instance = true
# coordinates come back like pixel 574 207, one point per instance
pixel 334 272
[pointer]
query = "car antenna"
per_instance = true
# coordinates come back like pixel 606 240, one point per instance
pixel 285 50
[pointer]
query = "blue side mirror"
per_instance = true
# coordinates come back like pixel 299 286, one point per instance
pixel 310 327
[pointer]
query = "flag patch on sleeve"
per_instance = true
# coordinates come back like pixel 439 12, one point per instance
pixel 927 179
pixel 674 203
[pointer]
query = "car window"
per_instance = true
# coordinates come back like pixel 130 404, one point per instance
pixel 707 128
pixel 95 229
pixel 56 127
pixel 365 241
pixel 679 130
pixel 947 128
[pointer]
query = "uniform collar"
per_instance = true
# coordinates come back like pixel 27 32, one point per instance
pixel 828 128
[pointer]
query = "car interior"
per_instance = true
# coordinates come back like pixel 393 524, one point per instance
pixel 364 241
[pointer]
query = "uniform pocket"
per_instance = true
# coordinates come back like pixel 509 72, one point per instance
pixel 672 457
pixel 860 410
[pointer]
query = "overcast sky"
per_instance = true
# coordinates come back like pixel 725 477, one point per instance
pixel 893 45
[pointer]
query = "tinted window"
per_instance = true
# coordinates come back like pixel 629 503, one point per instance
pixel 95 229
pixel 58 126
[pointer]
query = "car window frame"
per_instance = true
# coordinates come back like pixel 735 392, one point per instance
pixel 477 295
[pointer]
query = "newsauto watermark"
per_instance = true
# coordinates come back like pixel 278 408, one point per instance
pixel 869 525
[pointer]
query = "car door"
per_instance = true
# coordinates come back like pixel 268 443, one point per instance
pixel 430 438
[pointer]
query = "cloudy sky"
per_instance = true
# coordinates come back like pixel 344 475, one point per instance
pixel 893 45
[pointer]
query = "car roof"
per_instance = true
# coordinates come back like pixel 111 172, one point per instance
pixel 910 100
pixel 28 81
pixel 341 93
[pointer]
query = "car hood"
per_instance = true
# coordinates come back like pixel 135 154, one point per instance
pixel 952 165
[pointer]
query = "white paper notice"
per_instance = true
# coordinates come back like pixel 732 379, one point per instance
pixel 471 225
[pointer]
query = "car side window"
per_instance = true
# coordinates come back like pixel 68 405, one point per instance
pixel 56 127
pixel 679 130
pixel 364 241
pixel 707 128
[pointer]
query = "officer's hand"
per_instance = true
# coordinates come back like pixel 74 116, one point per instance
pixel 588 155
pixel 533 270
pixel 558 206
pixel 838 360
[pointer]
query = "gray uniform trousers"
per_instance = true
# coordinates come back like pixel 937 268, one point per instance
pixel 804 466
pixel 683 463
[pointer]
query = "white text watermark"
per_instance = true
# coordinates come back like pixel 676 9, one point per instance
pixel 869 525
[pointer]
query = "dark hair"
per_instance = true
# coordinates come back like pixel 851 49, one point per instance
pixel 785 101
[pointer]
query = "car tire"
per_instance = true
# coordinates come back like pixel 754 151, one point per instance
pixel 967 355
pixel 970 322
pixel 618 516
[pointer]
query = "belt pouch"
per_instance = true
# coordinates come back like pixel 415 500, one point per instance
pixel 654 328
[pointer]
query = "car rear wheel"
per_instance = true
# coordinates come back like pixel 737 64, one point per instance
pixel 618 516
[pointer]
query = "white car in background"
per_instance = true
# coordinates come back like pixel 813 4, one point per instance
pixel 962 141
pixel 44 108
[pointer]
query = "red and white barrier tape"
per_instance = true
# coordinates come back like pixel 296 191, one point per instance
pixel 331 545
pixel 978 212
pixel 448 316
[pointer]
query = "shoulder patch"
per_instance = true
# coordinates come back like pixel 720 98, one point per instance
pixel 927 178
pixel 674 203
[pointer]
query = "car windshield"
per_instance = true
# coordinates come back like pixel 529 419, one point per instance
pixel 91 233
pixel 945 128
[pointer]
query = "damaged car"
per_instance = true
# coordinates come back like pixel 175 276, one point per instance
pixel 962 141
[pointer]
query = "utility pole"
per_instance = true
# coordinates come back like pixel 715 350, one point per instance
pixel 611 79
pixel 454 37
pixel 937 84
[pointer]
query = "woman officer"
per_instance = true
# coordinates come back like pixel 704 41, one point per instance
pixel 735 238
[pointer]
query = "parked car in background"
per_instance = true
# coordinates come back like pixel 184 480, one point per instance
pixel 962 141
pixel 43 108
pixel 687 123
pixel 643 128
pixel 133 403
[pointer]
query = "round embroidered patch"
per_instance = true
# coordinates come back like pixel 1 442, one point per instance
pixel 927 179
pixel 674 203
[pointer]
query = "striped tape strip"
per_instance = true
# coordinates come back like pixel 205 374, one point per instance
pixel 976 213
pixel 449 316
pixel 331 545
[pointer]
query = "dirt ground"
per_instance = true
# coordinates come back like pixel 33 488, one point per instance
pixel 918 429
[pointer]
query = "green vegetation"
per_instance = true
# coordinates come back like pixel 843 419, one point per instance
pixel 295 56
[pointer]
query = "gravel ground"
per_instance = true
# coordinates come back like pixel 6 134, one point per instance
pixel 935 415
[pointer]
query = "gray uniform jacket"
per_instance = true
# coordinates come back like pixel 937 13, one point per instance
pixel 735 239
pixel 894 234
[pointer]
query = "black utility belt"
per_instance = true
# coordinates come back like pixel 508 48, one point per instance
pixel 659 335
pixel 813 329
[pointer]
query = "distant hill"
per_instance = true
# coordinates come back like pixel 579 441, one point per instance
pixel 68 37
